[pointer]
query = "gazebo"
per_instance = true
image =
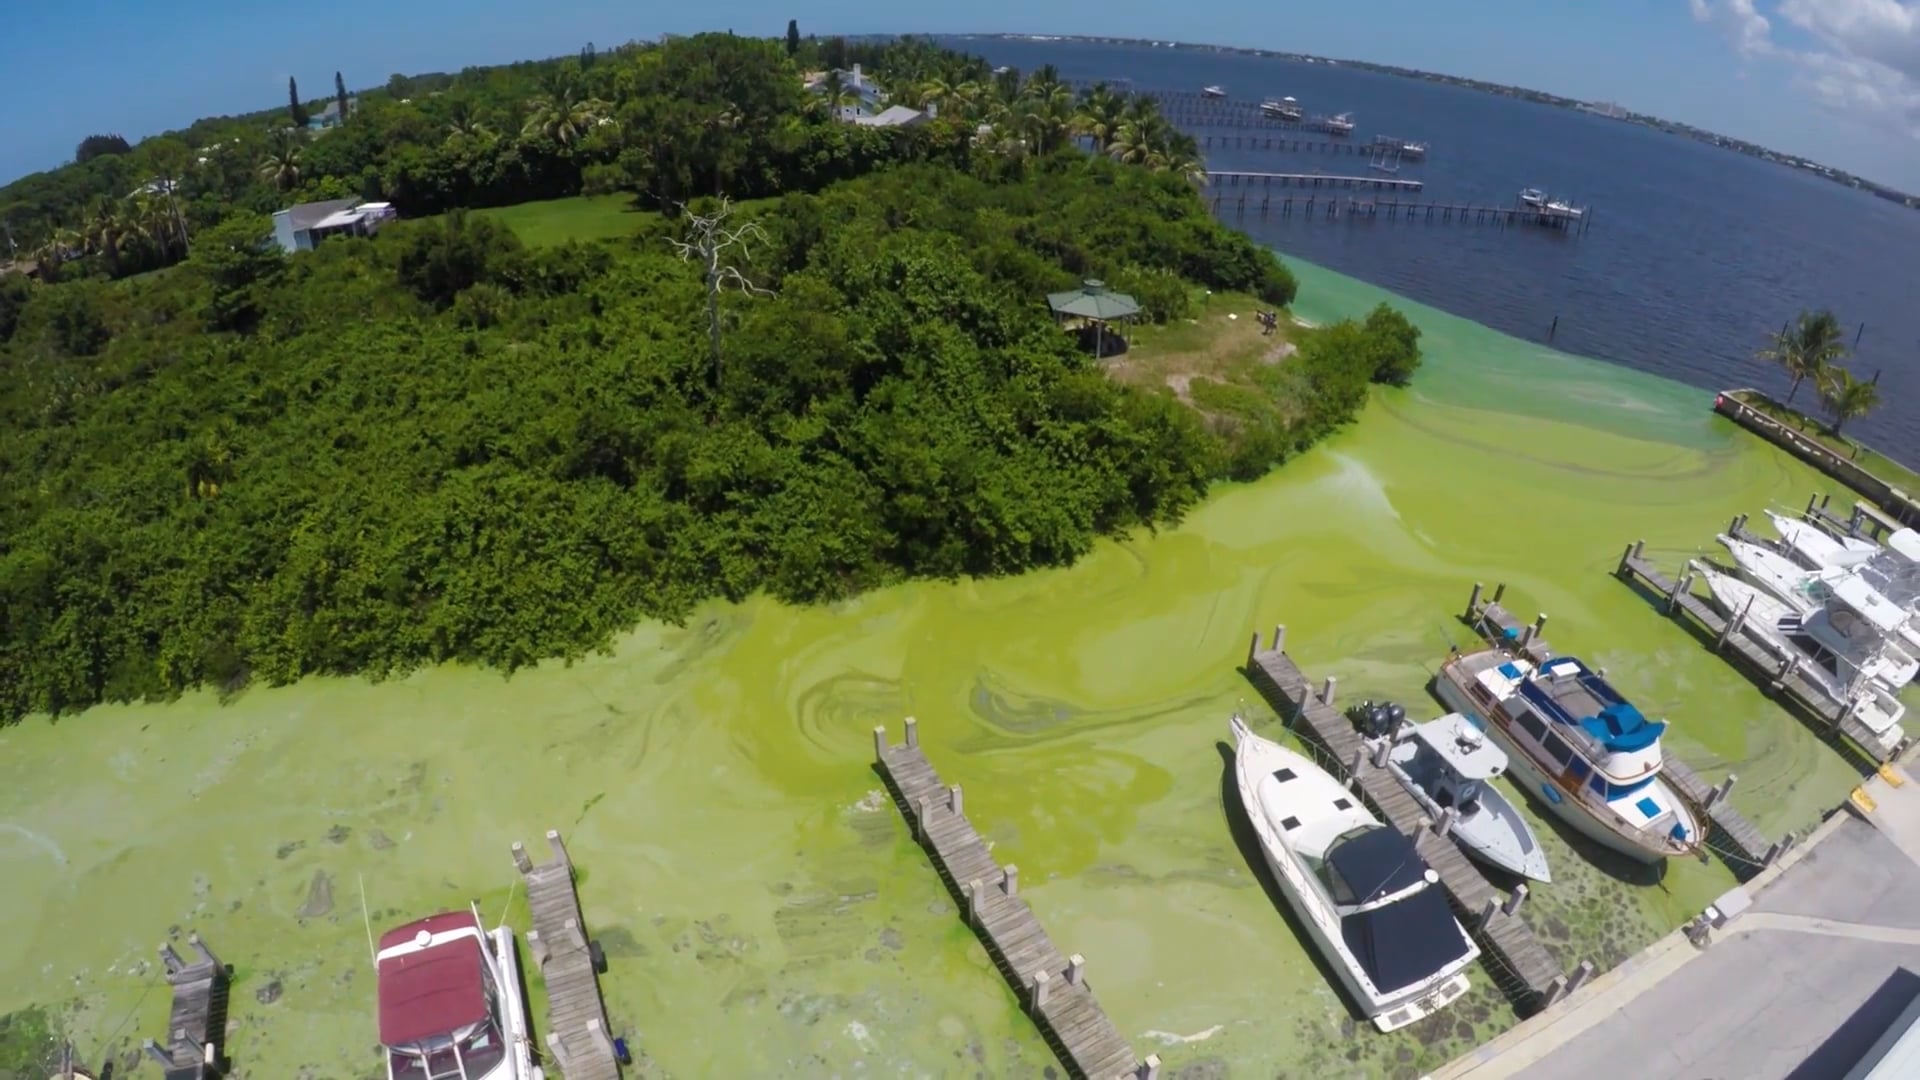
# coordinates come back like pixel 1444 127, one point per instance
pixel 1094 303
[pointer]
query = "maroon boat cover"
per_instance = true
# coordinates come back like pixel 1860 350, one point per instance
pixel 433 992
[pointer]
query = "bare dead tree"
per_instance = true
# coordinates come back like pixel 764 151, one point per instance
pixel 709 240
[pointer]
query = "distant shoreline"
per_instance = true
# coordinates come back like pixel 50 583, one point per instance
pixel 1604 109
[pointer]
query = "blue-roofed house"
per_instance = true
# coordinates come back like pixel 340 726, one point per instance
pixel 330 117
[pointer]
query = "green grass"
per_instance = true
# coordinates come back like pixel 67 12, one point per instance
pixel 1888 470
pixel 585 218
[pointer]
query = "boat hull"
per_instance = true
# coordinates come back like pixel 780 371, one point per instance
pixel 1538 787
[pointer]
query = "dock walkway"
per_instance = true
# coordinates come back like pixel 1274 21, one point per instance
pixel 197 1022
pixel 1053 987
pixel 1751 848
pixel 577 1032
pixel 1778 675
pixel 1238 177
pixel 1526 970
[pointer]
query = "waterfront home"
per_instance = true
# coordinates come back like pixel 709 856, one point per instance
pixel 331 117
pixel 871 99
pixel 299 228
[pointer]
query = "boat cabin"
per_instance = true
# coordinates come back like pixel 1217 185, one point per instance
pixel 1397 926
pixel 440 1002
pixel 1453 760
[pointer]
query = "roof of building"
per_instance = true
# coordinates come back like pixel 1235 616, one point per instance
pixel 434 991
pixel 891 116
pixel 1896 1053
pixel 308 215
pixel 1093 300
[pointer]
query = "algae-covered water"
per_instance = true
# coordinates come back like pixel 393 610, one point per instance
pixel 765 912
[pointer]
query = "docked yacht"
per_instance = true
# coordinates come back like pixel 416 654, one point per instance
pixel 1373 906
pixel 1285 109
pixel 1214 92
pixel 1400 147
pixel 1839 610
pixel 1340 124
pixel 1819 550
pixel 450 1005
pixel 1578 746
pixel 1448 765
pixel 1533 198
pixel 1563 208
pixel 1872 712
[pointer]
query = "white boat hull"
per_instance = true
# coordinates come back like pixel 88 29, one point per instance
pixel 519 1031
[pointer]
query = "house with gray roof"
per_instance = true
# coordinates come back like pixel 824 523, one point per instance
pixel 299 228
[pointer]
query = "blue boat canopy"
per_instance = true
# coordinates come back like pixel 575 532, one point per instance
pixel 1621 728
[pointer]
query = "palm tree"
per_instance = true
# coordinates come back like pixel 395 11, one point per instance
pixel 1845 396
pixel 1098 116
pixel 837 94
pixel 281 164
pixel 1807 348
pixel 938 91
pixel 464 123
pixel 105 228
pixel 563 114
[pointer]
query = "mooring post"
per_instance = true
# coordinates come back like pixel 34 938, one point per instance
pixel 1555 990
pixel 1514 900
pixel 1150 1068
pixel 925 811
pixel 1042 984
pixel 164 1059
pixel 182 1035
pixel 1444 823
pixel 953 799
pixel 1499 590
pixel 1625 558
pixel 1579 976
pixel 199 946
pixel 1787 669
pixel 976 899
pixel 1010 879
pixel 1735 624
pixel 1487 911
pixel 520 860
pixel 1279 637
pixel 1813 503
pixel 1354 766
pixel 538 946
pixel 1253 648
pixel 599 1036
pixel 1380 751
pixel 1725 789
pixel 559 1048
pixel 1539 625
pixel 559 849
pixel 1473 602
pixel 171 959
pixel 1326 691
pixel 1680 584
pixel 575 935
pixel 913 732
pixel 879 745
pixel 1076 969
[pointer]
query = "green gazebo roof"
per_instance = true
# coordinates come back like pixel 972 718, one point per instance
pixel 1092 300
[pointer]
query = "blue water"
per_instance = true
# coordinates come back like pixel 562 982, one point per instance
pixel 1694 254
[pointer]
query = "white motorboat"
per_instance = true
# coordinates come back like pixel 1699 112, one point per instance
pixel 1285 109
pixel 1872 712
pixel 1839 610
pixel 1818 549
pixel 450 1005
pixel 1448 766
pixel 1533 197
pixel 1340 124
pixel 1579 746
pixel 1563 208
pixel 1375 909
pixel 1214 92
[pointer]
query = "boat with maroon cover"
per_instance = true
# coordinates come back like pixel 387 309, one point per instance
pixel 450 1002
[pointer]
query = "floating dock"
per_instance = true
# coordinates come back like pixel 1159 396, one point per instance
pixel 1738 842
pixel 1777 675
pixel 197 1023
pixel 1242 178
pixel 570 964
pixel 1053 987
pixel 1518 961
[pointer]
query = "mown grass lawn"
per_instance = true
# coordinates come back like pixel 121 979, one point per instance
pixel 585 218
pixel 1887 469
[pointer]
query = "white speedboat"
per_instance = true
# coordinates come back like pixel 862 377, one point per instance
pixel 1373 906
pixel 1341 124
pixel 1563 208
pixel 1448 765
pixel 1533 197
pixel 1579 747
pixel 1872 712
pixel 1285 109
pixel 1839 610
pixel 450 1005
pixel 1818 549
pixel 1214 92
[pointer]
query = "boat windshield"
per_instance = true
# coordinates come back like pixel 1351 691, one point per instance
pixel 468 1054
pixel 1369 862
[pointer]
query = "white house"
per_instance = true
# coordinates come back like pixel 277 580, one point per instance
pixel 872 98
pixel 299 228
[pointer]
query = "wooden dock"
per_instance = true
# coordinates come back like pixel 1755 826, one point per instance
pixel 1777 675
pixel 1053 987
pixel 570 964
pixel 1740 845
pixel 1242 178
pixel 1517 960
pixel 197 1023
pixel 1867 522
pixel 1290 144
pixel 1349 208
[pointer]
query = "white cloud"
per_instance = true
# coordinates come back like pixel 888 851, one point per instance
pixel 1739 22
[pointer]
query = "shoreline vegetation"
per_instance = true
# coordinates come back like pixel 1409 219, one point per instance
pixel 1606 109
pixel 455 442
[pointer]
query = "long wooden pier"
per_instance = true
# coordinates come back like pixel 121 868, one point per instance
pixel 1349 208
pixel 1053 987
pixel 1740 845
pixel 1242 178
pixel 1518 961
pixel 1291 144
pixel 197 1022
pixel 570 964
pixel 1777 675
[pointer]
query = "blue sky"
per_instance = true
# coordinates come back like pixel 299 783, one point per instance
pixel 1838 80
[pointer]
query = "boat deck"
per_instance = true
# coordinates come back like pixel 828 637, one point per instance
pixel 1748 653
pixel 1052 986
pixel 577 1031
pixel 1517 960
pixel 197 1020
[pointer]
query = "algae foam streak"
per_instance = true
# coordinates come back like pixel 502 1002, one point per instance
pixel 763 909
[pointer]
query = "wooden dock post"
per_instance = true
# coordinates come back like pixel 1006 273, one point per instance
pixel 170 959
pixel 1514 900
pixel 559 849
pixel 1473 603
pixel 1381 749
pixel 1150 1068
pixel 199 946
pixel 1042 986
pixel 953 798
pixel 520 860
pixel 1326 691
pixel 1076 969
pixel 1719 793
pixel 559 1048
pixel 976 900
pixel 1734 625
pixel 1499 591
pixel 157 1053
pixel 913 732
pixel 1487 912
pixel 1010 880
pixel 1444 823
pixel 1579 975
pixel 537 945
pixel 1253 650
pixel 879 748
pixel 598 1036
pixel 1279 637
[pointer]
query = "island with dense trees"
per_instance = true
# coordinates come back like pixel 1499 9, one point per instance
pixel 221 464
